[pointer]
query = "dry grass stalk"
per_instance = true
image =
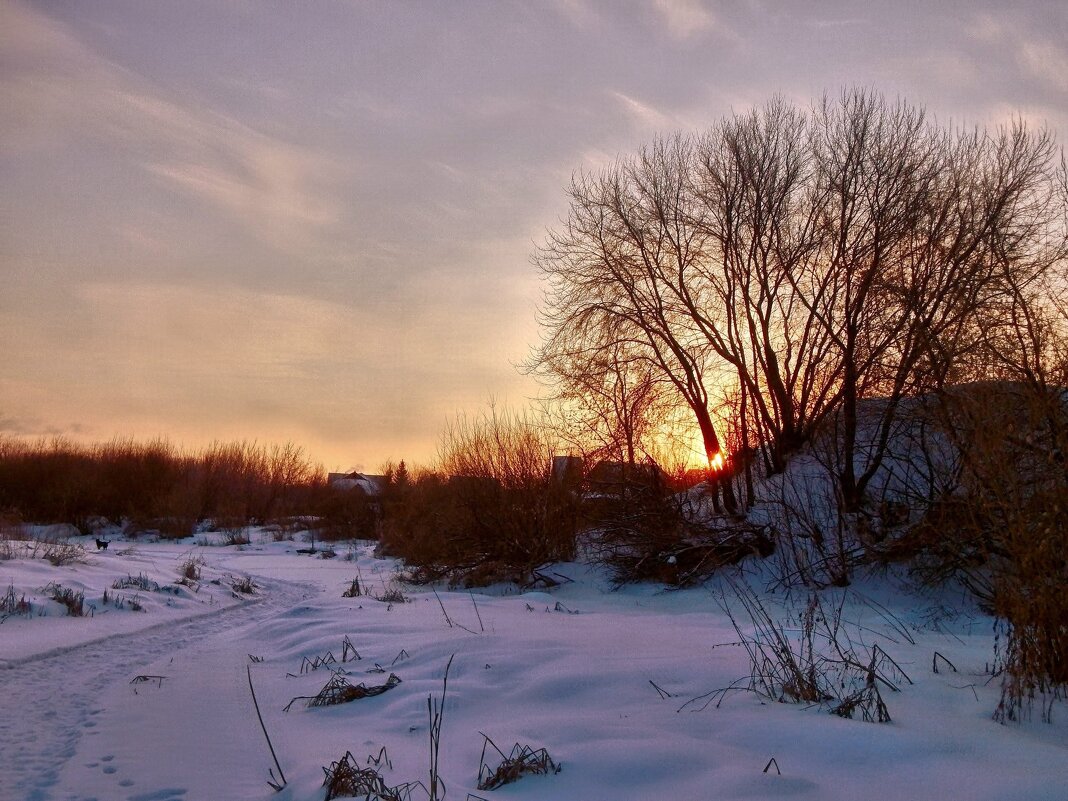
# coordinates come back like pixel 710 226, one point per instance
pixel 275 784
pixel 391 595
pixel 340 691
pixel 868 701
pixel 243 586
pixel 189 570
pixel 308 665
pixel 140 582
pixel 348 653
pixel 816 663
pixel 521 761
pixel 345 779
pixel 12 604
pixel 436 712
pixel 73 601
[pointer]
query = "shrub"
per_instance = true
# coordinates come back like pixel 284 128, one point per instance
pixel 345 514
pixel 642 532
pixel 236 537
pixel 189 569
pixel 154 485
pixel 999 529
pixel 60 552
pixel 490 511
pixel 11 533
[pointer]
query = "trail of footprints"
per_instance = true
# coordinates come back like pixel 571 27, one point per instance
pixel 48 733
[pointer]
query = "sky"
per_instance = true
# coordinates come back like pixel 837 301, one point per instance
pixel 314 221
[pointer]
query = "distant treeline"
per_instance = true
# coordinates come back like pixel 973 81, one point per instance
pixel 155 484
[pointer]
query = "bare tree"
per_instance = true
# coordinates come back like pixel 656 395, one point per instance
pixel 833 261
pixel 611 269
pixel 609 403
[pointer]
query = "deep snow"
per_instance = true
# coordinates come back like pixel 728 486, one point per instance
pixel 573 678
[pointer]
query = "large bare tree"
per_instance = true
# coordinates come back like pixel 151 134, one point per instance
pixel 823 257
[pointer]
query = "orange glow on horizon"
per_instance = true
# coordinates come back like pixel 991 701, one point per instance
pixel 716 462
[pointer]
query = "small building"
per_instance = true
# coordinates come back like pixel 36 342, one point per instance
pixel 370 486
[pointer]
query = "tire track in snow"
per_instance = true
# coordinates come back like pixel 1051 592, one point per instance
pixel 48 702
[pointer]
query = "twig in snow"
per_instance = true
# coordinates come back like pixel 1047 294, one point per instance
pixel 663 693
pixel 719 695
pixel 143 679
pixel 446 614
pixel 273 784
pixel 480 626
pixel 934 662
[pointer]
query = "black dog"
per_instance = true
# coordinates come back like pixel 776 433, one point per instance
pixel 101 545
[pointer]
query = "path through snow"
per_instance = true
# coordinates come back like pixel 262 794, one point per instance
pixel 50 703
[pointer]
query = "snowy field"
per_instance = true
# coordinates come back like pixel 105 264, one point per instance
pixel 604 680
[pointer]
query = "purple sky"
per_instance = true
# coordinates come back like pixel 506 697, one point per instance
pixel 313 221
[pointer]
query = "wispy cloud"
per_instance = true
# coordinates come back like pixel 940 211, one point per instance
pixel 643 114
pixel 685 18
pixel 1040 57
pixel 579 13
pixel 36 427
pixel 56 89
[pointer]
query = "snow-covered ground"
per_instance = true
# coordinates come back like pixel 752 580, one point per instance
pixel 571 671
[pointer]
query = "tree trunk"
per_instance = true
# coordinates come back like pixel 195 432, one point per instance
pixel 718 479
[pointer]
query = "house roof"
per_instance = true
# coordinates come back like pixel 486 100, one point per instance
pixel 370 485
